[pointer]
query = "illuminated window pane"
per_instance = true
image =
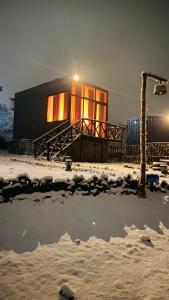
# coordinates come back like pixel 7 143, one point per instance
pixel 77 88
pixel 57 109
pixel 100 116
pixel 50 109
pixel 89 92
pixel 88 109
pixel 101 96
pixel 76 109
pixel 65 116
pixel 101 112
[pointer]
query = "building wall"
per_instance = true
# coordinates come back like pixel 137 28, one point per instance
pixel 89 149
pixel 30 110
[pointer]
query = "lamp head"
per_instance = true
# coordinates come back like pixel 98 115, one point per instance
pixel 76 77
pixel 160 89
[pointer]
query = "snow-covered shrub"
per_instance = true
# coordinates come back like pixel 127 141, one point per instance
pixel 6 122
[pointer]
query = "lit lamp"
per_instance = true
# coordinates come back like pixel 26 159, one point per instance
pixel 159 89
pixel 68 163
pixel 76 77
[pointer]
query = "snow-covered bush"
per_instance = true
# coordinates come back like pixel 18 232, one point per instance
pixel 6 122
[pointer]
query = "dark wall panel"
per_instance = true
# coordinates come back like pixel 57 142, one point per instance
pixel 31 109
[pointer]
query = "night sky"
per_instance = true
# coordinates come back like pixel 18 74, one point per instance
pixel 108 43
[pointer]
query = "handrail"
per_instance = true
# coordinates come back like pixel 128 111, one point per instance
pixel 81 131
pixel 50 131
pixel 91 127
pixel 108 123
pixel 66 129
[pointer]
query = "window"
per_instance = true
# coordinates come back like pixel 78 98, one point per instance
pixel 76 109
pixel 101 96
pixel 101 112
pixel 57 107
pixel 88 102
pixel 88 109
pixel 89 92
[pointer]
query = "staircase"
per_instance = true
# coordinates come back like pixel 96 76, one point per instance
pixel 55 142
pixel 53 145
pixel 40 142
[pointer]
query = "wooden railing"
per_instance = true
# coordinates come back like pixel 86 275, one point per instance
pixel 155 152
pixel 58 140
pixel 40 142
pixel 59 143
pixel 102 129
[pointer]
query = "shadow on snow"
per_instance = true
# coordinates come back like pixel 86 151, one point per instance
pixel 25 223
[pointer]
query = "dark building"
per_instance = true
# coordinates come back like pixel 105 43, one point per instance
pixel 64 115
pixel 157 130
pixel 41 108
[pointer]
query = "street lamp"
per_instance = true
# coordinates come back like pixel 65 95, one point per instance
pixel 159 89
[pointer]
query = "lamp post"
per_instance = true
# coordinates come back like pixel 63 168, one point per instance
pixel 159 89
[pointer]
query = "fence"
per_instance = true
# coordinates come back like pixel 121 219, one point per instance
pixel 131 153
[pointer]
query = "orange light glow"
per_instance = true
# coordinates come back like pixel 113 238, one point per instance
pixel 61 107
pixel 166 118
pixel 86 109
pixel 101 96
pixel 89 102
pixel 50 109
pixel 73 109
pixel 57 107
pixel 101 116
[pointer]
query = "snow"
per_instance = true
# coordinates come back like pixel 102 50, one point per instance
pixel 6 122
pixel 108 247
pixel 12 165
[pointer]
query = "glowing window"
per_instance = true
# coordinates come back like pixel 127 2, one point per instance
pixel 77 88
pixel 101 96
pixel 89 92
pixel 76 109
pixel 101 111
pixel 88 109
pixel 57 107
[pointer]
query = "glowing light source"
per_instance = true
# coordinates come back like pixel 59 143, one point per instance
pixel 76 77
pixel 166 118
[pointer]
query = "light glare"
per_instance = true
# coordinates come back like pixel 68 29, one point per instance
pixel 76 77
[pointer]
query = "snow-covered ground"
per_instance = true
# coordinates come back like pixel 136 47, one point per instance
pixel 12 165
pixel 108 247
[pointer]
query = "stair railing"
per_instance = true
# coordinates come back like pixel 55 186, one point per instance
pixel 57 144
pixel 40 143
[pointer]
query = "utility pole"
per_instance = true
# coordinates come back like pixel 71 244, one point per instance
pixel 159 89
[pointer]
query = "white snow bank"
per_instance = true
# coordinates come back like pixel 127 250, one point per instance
pixel 123 268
